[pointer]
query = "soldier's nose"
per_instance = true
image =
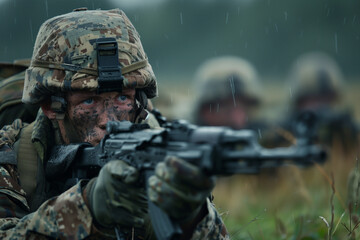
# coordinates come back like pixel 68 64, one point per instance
pixel 105 118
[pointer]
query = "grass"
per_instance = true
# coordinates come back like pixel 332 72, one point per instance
pixel 289 203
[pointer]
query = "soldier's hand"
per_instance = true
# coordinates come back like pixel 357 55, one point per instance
pixel 179 188
pixel 115 199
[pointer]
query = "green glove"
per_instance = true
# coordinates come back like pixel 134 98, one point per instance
pixel 179 188
pixel 114 197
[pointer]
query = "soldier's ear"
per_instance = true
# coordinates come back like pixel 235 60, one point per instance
pixel 47 110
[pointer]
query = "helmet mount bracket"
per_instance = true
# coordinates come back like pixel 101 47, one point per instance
pixel 110 78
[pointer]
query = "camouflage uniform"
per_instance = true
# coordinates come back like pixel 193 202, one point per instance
pixel 46 213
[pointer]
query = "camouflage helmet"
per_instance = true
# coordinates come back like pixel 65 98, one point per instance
pixel 65 55
pixel 226 76
pixel 315 74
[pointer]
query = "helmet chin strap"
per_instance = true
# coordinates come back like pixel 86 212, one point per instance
pixel 59 106
pixel 70 131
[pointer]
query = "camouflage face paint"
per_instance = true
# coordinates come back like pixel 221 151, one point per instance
pixel 89 112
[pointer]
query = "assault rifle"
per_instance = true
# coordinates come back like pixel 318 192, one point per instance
pixel 215 150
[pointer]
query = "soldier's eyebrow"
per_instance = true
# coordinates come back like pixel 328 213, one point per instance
pixel 80 96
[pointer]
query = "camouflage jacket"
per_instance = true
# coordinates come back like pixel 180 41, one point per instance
pixel 65 216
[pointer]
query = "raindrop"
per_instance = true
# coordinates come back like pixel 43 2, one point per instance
pixel 354 18
pixel 15 20
pixel 210 107
pixel 246 44
pixel 232 86
pixel 286 15
pixel 328 12
pixel 171 98
pixel 227 18
pixel 276 27
pixel 336 43
pixel 344 20
pixel 47 8
pixel 135 17
pixel 238 11
pixel 157 64
pixel 31 31
pixel 181 18
pixel 290 92
pixel 259 132
pixel 217 107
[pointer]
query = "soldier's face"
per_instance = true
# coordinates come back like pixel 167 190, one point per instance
pixel 88 113
pixel 225 113
pixel 316 102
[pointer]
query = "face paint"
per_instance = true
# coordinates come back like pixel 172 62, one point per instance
pixel 89 112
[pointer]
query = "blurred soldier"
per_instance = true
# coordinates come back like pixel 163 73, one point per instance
pixel 88 68
pixel 11 89
pixel 9 69
pixel 228 93
pixel 316 87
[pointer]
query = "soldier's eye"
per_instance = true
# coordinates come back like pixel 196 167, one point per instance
pixel 122 98
pixel 88 101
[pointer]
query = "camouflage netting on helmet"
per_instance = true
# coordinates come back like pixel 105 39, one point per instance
pixel 223 77
pixel 315 74
pixel 65 59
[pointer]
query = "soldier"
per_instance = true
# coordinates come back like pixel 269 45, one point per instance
pixel 316 85
pixel 228 93
pixel 69 77
pixel 11 89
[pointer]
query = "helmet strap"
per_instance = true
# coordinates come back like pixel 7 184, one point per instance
pixel 142 98
pixel 58 105
pixel 140 112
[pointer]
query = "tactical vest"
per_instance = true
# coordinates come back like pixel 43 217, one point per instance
pixel 30 169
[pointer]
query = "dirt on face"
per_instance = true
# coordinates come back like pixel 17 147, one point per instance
pixel 89 112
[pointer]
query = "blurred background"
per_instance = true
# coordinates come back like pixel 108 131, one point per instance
pixel 179 35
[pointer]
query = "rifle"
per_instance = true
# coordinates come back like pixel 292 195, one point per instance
pixel 215 150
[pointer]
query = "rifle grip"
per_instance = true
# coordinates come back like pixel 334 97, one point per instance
pixel 164 227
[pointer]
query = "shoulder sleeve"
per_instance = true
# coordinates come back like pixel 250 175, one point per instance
pixel 62 217
pixel 211 227
pixel 12 197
